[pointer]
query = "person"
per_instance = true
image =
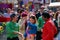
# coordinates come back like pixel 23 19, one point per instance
pixel 40 23
pixel 40 11
pixel 12 28
pixel 58 20
pixel 31 28
pixel 7 15
pixel 49 29
pixel 23 23
pixel 19 11
pixel 52 14
pixel 40 26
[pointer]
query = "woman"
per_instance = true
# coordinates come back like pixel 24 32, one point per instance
pixel 31 28
pixel 23 23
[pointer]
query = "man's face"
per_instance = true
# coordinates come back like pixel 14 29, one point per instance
pixel 41 9
pixel 15 18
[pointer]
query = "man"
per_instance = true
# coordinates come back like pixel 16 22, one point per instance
pixel 12 28
pixel 19 13
pixel 40 23
pixel 7 15
pixel 40 11
pixel 49 29
pixel 40 26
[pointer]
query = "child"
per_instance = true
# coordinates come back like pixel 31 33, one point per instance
pixel 31 28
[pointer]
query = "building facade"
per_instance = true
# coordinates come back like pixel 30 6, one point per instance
pixel 58 0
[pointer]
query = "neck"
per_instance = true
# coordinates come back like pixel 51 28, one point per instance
pixel 47 20
pixel 13 21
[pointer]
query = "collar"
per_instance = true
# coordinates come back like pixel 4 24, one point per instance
pixel 48 20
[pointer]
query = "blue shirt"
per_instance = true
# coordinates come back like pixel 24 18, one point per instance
pixel 32 28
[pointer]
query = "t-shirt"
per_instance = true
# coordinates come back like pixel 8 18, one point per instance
pixel 40 23
pixel 12 27
pixel 31 28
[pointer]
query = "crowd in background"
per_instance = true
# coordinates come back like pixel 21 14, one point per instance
pixel 30 25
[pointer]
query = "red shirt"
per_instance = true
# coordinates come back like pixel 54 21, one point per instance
pixel 49 30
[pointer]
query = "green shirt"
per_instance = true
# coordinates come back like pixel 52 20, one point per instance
pixel 12 27
pixel 40 23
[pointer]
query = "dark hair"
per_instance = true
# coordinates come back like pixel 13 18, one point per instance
pixel 46 15
pixel 24 15
pixel 12 16
pixel 33 17
pixel 20 10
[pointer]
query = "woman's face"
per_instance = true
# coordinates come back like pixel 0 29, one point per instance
pixel 32 20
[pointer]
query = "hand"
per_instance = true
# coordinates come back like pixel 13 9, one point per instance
pixel 41 30
pixel 16 32
pixel 20 34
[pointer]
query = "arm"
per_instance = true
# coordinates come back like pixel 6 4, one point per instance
pixel 39 24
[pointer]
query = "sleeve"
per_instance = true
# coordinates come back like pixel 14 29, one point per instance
pixel 39 24
pixel 48 33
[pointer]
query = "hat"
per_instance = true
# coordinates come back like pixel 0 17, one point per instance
pixel 24 14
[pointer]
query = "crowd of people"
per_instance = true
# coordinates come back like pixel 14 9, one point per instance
pixel 30 25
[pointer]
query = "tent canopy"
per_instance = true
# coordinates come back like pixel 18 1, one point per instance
pixel 54 4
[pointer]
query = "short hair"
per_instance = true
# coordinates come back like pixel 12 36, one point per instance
pixel 46 15
pixel 12 16
pixel 20 10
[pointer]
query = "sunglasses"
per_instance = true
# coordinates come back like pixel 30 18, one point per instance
pixel 42 8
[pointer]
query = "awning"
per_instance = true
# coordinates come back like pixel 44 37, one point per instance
pixel 54 4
